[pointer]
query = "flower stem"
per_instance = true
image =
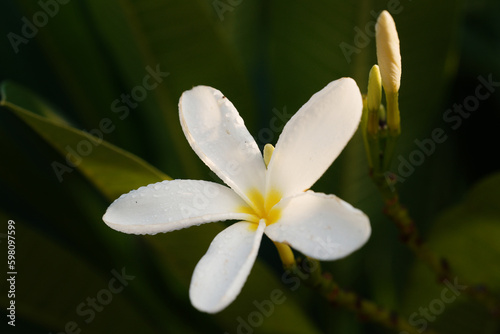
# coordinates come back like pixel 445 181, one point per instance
pixel 309 271
pixel 410 236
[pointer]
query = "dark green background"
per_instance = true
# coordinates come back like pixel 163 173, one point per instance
pixel 264 56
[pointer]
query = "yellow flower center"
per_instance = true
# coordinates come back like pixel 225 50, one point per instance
pixel 263 208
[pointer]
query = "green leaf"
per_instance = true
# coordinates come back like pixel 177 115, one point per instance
pixel 264 56
pixel 112 170
pixel 467 236
pixel 57 289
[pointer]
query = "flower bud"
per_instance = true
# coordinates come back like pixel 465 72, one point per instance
pixel 389 60
pixel 388 54
pixel 374 99
pixel 374 87
pixel 268 152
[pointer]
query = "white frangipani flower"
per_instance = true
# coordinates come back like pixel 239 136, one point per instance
pixel 273 200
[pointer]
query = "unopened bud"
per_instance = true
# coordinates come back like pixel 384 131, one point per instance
pixel 373 100
pixel 268 152
pixel 388 53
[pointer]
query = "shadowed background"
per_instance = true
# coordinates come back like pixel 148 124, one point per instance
pixel 80 65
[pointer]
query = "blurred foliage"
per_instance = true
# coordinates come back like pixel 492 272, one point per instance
pixel 87 60
pixel 468 234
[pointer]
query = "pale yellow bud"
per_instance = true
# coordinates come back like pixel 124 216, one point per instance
pixel 388 54
pixel 268 152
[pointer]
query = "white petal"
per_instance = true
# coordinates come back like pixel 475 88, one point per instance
pixel 172 205
pixel 217 133
pixel 314 137
pixel 320 226
pixel 220 274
